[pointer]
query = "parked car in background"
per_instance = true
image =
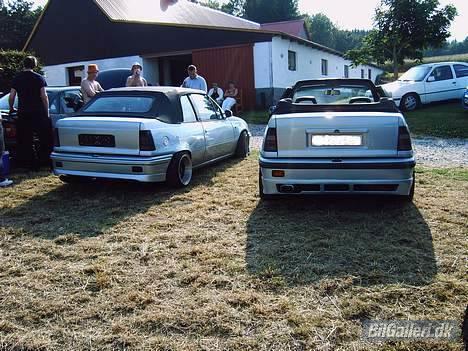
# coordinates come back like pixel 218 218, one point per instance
pixel 428 83
pixel 113 78
pixel 465 98
pixel 148 135
pixel 63 101
pixel 336 136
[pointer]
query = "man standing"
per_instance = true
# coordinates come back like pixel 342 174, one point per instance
pixel 136 79
pixel 33 114
pixel 194 81
pixel 89 86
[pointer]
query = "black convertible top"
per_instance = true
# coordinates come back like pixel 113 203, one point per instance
pixel 380 104
pixel 166 107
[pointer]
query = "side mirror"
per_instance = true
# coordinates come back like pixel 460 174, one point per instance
pixel 228 113
pixel 431 79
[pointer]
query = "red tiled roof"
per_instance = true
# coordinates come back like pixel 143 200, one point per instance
pixel 294 27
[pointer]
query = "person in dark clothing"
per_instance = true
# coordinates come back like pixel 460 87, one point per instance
pixel 33 115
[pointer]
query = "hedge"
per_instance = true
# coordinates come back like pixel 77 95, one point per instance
pixel 11 62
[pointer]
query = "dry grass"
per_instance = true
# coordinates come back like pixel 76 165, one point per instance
pixel 119 266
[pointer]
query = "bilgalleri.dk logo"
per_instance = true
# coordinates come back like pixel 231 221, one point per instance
pixel 404 330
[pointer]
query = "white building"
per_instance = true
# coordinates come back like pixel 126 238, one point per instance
pixel 168 35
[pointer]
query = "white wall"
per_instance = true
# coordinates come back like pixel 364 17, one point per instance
pixel 309 64
pixel 263 65
pixel 58 75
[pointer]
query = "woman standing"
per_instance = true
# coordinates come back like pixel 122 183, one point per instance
pixel 230 97
pixel 136 79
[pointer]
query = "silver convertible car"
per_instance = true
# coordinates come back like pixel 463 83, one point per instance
pixel 152 134
pixel 336 136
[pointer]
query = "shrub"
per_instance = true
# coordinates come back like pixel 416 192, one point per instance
pixel 11 62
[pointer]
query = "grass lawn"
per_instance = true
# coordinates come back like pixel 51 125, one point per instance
pixel 125 266
pixel 448 120
pixel 441 120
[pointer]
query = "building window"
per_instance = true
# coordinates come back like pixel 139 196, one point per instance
pixel 292 60
pixel 369 73
pixel 362 74
pixel 324 67
pixel 346 71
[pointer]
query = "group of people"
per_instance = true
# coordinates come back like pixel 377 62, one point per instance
pixel 227 99
pixel 90 86
pixel 33 108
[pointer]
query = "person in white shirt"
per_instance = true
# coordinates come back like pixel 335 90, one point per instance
pixel 216 93
pixel 194 81
pixel 231 95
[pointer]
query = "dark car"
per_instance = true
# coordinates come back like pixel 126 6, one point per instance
pixel 63 101
pixel 113 78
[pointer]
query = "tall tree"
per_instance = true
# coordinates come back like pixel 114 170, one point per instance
pixel 403 29
pixel 264 11
pixel 17 19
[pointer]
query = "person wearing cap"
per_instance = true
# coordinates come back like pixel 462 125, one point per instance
pixel 136 79
pixel 33 116
pixel 89 86
pixel 194 81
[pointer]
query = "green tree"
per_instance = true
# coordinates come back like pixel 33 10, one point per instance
pixel 17 19
pixel 264 11
pixel 403 29
pixel 321 29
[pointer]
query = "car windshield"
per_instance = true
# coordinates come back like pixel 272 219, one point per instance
pixel 416 74
pixel 120 104
pixel 324 94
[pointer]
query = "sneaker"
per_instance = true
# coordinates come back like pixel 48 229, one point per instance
pixel 6 182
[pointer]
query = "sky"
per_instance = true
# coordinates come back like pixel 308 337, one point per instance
pixel 357 14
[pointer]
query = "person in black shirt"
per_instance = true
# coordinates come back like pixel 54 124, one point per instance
pixel 33 115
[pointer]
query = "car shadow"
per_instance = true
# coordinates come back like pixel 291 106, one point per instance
pixel 90 208
pixel 367 239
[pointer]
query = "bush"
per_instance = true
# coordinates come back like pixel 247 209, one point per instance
pixel 11 62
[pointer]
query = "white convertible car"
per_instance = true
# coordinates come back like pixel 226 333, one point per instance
pixel 429 83
pixel 336 136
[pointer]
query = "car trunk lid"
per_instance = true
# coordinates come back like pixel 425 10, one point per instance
pixel 337 135
pixel 100 135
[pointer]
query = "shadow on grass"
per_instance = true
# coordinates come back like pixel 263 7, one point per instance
pixel 89 209
pixel 371 240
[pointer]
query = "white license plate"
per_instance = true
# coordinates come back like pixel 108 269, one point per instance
pixel 336 140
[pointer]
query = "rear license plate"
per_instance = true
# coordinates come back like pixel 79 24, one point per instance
pixel 336 140
pixel 96 140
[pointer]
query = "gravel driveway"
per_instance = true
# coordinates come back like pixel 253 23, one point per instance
pixel 430 151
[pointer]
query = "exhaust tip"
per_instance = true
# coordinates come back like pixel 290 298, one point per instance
pixel 287 189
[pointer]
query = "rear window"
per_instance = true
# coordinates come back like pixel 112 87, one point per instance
pixel 324 94
pixel 120 104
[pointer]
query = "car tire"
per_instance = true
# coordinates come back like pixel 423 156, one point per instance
pixel 262 195
pixel 69 179
pixel 410 102
pixel 243 145
pixel 179 173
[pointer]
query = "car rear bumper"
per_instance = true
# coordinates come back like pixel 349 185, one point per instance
pixel 319 176
pixel 142 169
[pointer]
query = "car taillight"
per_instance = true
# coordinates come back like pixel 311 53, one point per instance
pixel 56 138
pixel 271 142
pixel 404 139
pixel 146 141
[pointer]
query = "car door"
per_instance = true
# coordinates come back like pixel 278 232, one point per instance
pixel 219 134
pixel 441 84
pixel 192 132
pixel 461 74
